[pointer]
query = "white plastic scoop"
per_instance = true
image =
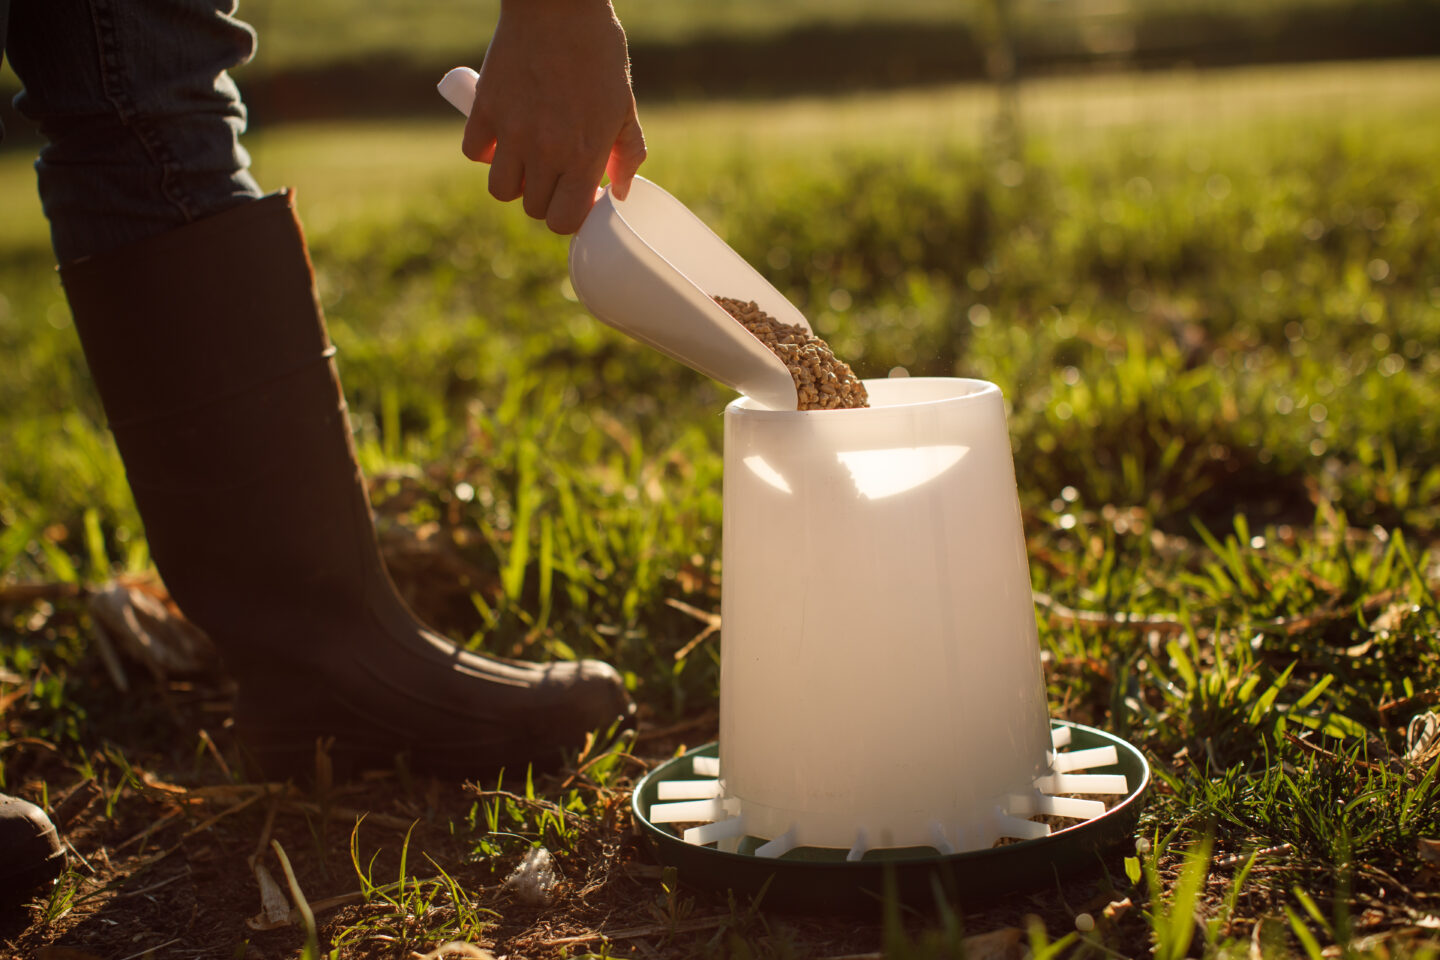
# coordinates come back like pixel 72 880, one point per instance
pixel 648 267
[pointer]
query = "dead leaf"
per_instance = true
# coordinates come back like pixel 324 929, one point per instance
pixel 274 905
pixel 455 949
pixel 65 953
pixel 145 629
pixel 15 696
pixel 1118 908
pixel 1007 943
pixel 1429 850
pixel 1422 739
pixel 1393 617
pixel 153 782
pixel 1257 941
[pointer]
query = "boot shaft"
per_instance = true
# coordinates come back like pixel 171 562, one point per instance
pixel 208 347
pixel 198 314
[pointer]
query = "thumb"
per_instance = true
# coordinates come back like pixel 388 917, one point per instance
pixel 625 157
pixel 479 142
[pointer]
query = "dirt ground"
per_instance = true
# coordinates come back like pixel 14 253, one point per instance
pixel 164 842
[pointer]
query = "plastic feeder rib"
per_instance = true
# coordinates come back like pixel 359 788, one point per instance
pixel 825 879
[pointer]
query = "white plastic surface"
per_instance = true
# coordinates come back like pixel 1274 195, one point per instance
pixel 1072 807
pixel 1085 759
pixel 731 829
pixel 1022 829
pixel 880 666
pixel 648 267
pixel 687 811
pixel 688 790
pixel 1100 783
pixel 458 87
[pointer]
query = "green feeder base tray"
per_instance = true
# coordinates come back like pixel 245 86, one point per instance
pixel 816 879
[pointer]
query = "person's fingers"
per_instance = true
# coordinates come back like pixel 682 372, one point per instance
pixel 539 188
pixel 570 204
pixel 625 158
pixel 479 141
pixel 507 173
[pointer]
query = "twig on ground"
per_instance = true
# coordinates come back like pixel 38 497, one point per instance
pixel 1169 623
pixel 154 886
pixel 347 813
pixel 25 593
pixel 1386 878
pixel 1233 859
pixel 206 825
pixel 1061 615
pixel 202 826
pixel 1328 754
pixel 649 930
pixel 534 802
pixel 1330 612
pixel 696 640
pixel 1403 705
pixel 214 752
pixel 149 831
pixel 661 733
pixel 580 771
pixel 711 621
pixel 149 950
pixel 79 856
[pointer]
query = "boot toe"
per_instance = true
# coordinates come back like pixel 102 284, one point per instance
pixel 449 723
pixel 32 854
pixel 597 697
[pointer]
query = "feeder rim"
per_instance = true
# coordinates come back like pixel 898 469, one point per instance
pixel 1126 808
pixel 749 406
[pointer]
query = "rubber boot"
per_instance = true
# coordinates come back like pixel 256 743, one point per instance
pixel 210 354
pixel 30 851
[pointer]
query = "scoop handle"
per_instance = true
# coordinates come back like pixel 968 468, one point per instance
pixel 458 87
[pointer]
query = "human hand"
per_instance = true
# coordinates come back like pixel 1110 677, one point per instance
pixel 554 110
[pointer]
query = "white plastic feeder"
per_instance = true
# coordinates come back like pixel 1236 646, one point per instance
pixel 880 682
pixel 880 678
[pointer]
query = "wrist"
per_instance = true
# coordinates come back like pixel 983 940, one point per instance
pixel 557 6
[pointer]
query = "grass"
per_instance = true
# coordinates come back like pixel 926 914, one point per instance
pixel 329 31
pixel 1212 303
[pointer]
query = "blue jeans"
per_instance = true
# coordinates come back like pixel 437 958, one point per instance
pixel 141 118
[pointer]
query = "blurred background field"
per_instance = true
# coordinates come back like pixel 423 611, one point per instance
pixel 1210 296
pixel 334 31
pixel 331 58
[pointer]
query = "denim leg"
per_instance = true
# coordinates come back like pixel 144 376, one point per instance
pixel 141 118
pixel 4 25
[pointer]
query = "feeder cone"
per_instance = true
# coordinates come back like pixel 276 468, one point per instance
pixel 877 615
